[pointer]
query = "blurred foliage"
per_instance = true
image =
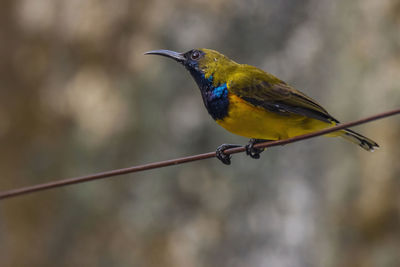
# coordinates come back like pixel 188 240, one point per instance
pixel 77 96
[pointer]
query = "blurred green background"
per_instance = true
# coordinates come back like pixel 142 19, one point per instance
pixel 77 96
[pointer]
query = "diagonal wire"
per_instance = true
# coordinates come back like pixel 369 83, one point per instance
pixel 155 165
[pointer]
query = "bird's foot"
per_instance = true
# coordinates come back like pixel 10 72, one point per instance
pixel 224 158
pixel 252 151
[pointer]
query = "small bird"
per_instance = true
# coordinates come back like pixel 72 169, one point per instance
pixel 250 102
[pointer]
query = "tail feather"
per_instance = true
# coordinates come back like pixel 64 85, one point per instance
pixel 360 140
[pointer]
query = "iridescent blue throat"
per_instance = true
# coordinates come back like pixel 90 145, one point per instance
pixel 215 98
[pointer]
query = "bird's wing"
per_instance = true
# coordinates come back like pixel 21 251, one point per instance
pixel 265 90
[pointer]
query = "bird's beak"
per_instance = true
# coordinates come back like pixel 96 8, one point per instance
pixel 167 53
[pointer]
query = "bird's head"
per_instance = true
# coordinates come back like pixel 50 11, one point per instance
pixel 202 63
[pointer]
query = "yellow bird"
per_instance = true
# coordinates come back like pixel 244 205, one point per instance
pixel 250 102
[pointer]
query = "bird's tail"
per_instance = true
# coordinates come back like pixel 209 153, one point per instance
pixel 360 140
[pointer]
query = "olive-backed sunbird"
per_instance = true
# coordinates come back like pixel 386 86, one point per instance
pixel 250 102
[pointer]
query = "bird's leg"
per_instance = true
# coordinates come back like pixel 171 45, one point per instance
pixel 226 159
pixel 252 151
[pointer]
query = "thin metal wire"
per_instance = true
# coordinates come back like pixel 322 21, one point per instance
pixel 155 165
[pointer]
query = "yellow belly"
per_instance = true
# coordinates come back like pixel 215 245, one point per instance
pixel 249 121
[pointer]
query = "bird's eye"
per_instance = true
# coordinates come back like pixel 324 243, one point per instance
pixel 195 55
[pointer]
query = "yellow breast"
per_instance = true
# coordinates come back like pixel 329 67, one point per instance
pixel 255 122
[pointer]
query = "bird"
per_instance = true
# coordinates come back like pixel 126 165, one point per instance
pixel 252 103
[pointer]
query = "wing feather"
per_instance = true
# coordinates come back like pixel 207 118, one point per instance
pixel 265 90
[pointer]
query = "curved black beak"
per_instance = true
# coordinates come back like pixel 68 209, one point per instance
pixel 168 53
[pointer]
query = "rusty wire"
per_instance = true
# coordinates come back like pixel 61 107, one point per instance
pixel 155 165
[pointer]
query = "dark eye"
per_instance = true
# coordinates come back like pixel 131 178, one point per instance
pixel 195 55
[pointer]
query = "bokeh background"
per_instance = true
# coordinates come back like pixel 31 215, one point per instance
pixel 77 96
